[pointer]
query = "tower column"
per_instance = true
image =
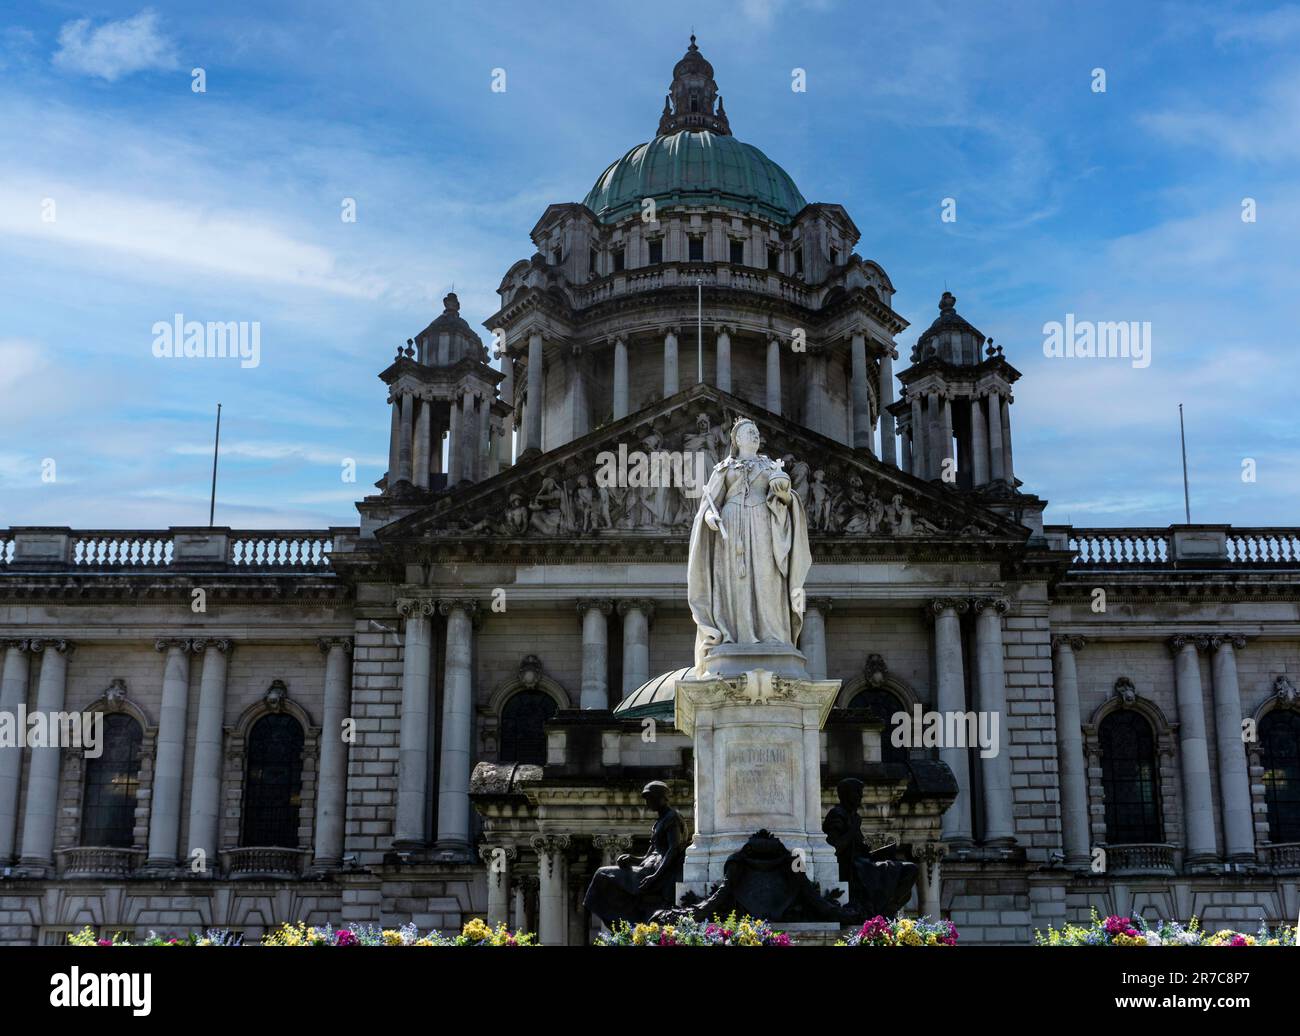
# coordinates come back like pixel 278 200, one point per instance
pixel 997 460
pixel 905 450
pixel 1194 755
pixel 636 642
pixel 919 465
pixel 888 442
pixel 979 445
pixel 670 363
pixel 620 378
pixel 505 444
pixel 814 399
pixel 457 726
pixel 1069 753
pixel 205 782
pixel 861 397
pixel 995 769
pixel 332 788
pixel 404 441
pixel 498 859
pixel 414 729
pixel 552 896
pixel 13 694
pixel 1006 441
pixel 394 439
pixel 934 435
pixel 595 653
pixel 42 810
pixel 724 360
pixel 533 411
pixel 455 458
pixel 951 698
pixel 1234 774
pixel 947 453
pixel 774 375
pixel 420 450
pixel 468 447
pixel 169 754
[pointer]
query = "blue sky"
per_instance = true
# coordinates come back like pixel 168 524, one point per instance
pixel 1122 205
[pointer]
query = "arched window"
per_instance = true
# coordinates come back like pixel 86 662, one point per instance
pixel 1128 779
pixel 522 740
pixel 112 780
pixel 1279 751
pixel 883 705
pixel 273 782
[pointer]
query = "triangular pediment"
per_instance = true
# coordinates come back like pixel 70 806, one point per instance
pixel 634 480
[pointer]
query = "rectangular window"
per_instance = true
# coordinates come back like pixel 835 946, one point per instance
pixel 798 262
pixel 774 260
pixel 738 252
pixel 619 256
pixel 656 252
pixel 591 259
pixel 697 250
pixel 557 257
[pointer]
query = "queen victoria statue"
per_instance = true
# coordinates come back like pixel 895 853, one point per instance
pixel 748 560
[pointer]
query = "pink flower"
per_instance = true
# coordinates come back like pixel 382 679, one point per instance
pixel 1238 940
pixel 344 937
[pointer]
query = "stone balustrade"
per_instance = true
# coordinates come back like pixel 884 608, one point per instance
pixel 1152 858
pixel 298 550
pixel 1178 546
pixel 263 863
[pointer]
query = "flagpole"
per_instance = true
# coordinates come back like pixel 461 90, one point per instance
pixel 699 328
pixel 216 445
pixel 1182 436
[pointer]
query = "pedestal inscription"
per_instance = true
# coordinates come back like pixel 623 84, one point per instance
pixel 760 779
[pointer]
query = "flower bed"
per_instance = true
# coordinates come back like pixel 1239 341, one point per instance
pixel 729 931
pixel 903 931
pixel 475 933
pixel 1135 931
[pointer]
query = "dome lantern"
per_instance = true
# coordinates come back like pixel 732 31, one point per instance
pixel 692 96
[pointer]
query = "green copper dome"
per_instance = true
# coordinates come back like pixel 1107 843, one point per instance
pixel 695 168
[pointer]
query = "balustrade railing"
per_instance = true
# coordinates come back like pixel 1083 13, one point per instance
pixel 128 550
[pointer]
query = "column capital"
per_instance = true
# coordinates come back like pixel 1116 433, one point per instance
pixel 1215 641
pixel 603 604
pixel 725 329
pixel 822 604
pixel 173 644
pixel 19 644
pixel 415 607
pixel 642 604
pixel 1000 605
pixel 488 852
pixel 672 329
pixel 63 647
pixel 611 843
pixel 1068 642
pixel 325 643
pixel 1198 642
pixel 199 644
pixel 548 847
pixel 447 605
pixel 936 606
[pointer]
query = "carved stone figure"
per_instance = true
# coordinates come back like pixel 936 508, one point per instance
pixel 584 505
pixel 636 887
pixel 749 552
pixel 548 509
pixel 901 517
pixel 821 502
pixel 856 506
pixel 516 523
pixel 878 884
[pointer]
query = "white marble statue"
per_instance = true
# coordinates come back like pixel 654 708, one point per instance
pixel 749 552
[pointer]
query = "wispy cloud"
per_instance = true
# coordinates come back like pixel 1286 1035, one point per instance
pixel 115 49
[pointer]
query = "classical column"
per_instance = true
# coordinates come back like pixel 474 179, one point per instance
pixel 553 873
pixel 995 769
pixel 169 754
pixel 1070 761
pixel 404 441
pixel 468 447
pixel 1194 755
pixel 724 359
pixel 905 450
pixel 979 443
pixel 997 467
pixel 861 398
pixel 919 442
pixel 670 363
pixel 414 729
pixel 950 698
pixel 636 643
pixel 812 641
pixel 13 694
pixel 814 398
pixel 611 847
pixel 620 378
pixel 42 808
pixel 888 441
pixel 505 452
pixel 455 442
pixel 1007 465
pixel 498 859
pixel 332 785
pixel 394 439
pixel 1234 773
pixel 533 413
pixel 420 449
pixel 205 781
pixel 929 887
pixel 595 653
pixel 947 453
pixel 934 435
pixel 774 375
pixel 457 725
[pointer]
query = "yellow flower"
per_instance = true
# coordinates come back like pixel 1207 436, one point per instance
pixel 391 937
pixel 476 930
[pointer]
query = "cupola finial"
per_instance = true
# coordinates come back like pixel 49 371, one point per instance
pixel 693 103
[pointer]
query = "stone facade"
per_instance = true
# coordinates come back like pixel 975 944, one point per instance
pixel 449 709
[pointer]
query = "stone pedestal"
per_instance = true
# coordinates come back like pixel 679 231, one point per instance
pixel 757 762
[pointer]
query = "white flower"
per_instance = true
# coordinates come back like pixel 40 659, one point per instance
pixel 1153 939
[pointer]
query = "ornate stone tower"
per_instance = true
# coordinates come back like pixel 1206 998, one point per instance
pixel 442 385
pixel 690 100
pixel 955 414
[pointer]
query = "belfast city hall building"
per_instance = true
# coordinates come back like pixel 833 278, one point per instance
pixel 450 709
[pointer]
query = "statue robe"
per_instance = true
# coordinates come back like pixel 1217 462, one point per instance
pixel 614 893
pixel 747 589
